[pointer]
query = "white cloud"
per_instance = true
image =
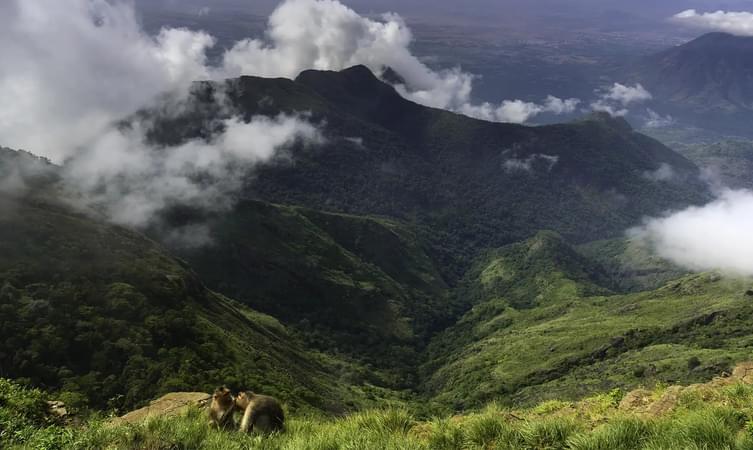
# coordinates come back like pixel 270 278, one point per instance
pixel 618 97
pixel 656 120
pixel 739 23
pixel 627 95
pixel 603 106
pixel 327 35
pixel 357 141
pixel 72 70
pixel 528 164
pixel 132 181
pixel 716 236
pixel 20 169
pixel 69 69
pixel 518 111
pixel 665 172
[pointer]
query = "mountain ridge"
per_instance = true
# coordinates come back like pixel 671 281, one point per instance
pixel 479 184
pixel 359 249
pixel 707 81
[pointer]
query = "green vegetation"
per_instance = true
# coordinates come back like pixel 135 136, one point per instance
pixel 389 272
pixel 730 161
pixel 109 318
pixel 363 286
pixel 576 339
pixel 713 416
pixel 465 185
pixel 630 265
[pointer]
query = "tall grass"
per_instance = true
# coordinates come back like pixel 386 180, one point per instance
pixel 622 434
pixel 714 418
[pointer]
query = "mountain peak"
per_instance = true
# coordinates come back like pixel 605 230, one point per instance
pixel 724 44
pixel 353 82
pixel 358 91
pixel 604 118
pixel 355 77
pixel 719 37
pixel 705 82
pixel 392 77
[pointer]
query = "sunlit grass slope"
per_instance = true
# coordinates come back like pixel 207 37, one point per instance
pixel 572 339
pixel 718 415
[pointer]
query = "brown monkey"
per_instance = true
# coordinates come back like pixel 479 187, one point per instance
pixel 261 413
pixel 222 408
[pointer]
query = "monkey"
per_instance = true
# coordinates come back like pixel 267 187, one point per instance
pixel 261 413
pixel 222 408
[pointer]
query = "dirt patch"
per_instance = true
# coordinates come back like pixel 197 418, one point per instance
pixel 668 401
pixel 642 401
pixel 637 400
pixel 743 373
pixel 171 404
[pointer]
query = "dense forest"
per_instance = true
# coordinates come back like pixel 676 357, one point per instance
pixel 437 263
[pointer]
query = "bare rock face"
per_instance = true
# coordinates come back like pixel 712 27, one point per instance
pixel 172 404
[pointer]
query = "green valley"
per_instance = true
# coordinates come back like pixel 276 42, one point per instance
pixel 400 262
pixel 578 339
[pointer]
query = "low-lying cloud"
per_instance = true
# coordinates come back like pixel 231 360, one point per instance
pixel 739 23
pixel 72 71
pixel 618 97
pixel 665 172
pixel 20 169
pixel 716 236
pixel 656 120
pixel 537 160
pixel 132 180
pixel 518 111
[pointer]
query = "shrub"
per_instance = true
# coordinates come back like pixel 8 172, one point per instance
pixel 622 434
pixel 23 413
pixel 445 435
pixel 490 431
pixel 550 433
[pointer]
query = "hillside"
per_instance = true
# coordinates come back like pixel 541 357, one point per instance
pixel 360 286
pixel 577 338
pixel 359 270
pixel 630 265
pixel 731 161
pixel 465 184
pixel 707 82
pixel 714 415
pixel 414 194
pixel 111 319
pixel 107 318
pixel 235 205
